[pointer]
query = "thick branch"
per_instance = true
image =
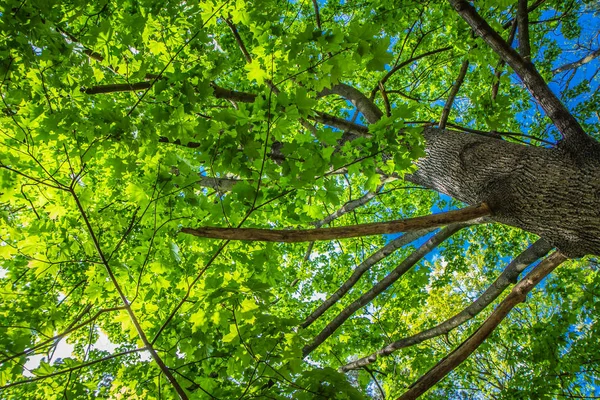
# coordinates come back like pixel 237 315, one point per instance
pixel 576 64
pixel 381 286
pixel 343 232
pixel 516 296
pixel 117 87
pixel 575 137
pixel 241 97
pixel 362 103
pixel 361 269
pixel 523 25
pixel 448 106
pixel 509 275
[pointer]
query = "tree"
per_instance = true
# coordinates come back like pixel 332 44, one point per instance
pixel 217 189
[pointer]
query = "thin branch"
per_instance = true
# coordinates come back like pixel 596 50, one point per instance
pixel 576 64
pixel 68 370
pixel 376 382
pixel 500 66
pixel 311 235
pixel 239 41
pixel 348 207
pixel 142 335
pixel 183 46
pixel 575 139
pixel 386 101
pixel 448 106
pixel 523 26
pixel 61 335
pixel 382 285
pixel 454 359
pixel 404 64
pixel 509 275
pixel 373 259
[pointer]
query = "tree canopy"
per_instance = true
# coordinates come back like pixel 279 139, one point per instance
pixel 217 188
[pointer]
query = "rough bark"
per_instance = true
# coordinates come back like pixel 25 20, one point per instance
pixel 460 354
pixel 546 191
pixel 382 285
pixel 341 232
pixel 509 275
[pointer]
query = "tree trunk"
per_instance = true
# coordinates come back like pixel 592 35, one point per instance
pixel 546 191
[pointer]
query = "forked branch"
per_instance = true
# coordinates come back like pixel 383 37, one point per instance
pixel 382 285
pixel 373 259
pixel 343 232
pixel 454 359
pixel 508 276
pixel 575 138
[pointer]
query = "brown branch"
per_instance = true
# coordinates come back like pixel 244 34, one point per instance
pixel 575 138
pixel 371 112
pixel 381 286
pixel 317 16
pixel 72 328
pixel 454 359
pixel 219 92
pixel 68 370
pixel 404 64
pixel 239 41
pixel 523 25
pixel 500 67
pixel 531 8
pixel 373 259
pixel 242 97
pixel 386 101
pixel 576 64
pixel 142 335
pixel 509 275
pixel 117 87
pixel 87 51
pixel 448 106
pixel 340 123
pixel 343 232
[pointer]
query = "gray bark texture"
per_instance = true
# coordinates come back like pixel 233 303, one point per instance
pixel 551 192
